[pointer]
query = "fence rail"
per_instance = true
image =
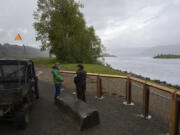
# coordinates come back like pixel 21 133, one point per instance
pixel 174 115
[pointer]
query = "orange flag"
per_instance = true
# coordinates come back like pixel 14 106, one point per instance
pixel 18 37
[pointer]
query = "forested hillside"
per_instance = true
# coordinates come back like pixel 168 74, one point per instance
pixel 9 50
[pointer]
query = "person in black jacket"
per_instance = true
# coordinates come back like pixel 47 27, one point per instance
pixel 80 81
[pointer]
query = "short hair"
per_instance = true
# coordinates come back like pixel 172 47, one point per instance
pixel 57 63
pixel 80 66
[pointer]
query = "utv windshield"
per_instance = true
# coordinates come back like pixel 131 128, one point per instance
pixel 12 71
pixel 11 76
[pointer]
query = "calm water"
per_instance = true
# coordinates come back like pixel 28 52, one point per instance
pixel 161 69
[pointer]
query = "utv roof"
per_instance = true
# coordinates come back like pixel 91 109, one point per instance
pixel 15 61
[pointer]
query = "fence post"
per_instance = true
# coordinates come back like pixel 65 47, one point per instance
pixel 145 108
pixel 99 87
pixel 128 90
pixel 174 116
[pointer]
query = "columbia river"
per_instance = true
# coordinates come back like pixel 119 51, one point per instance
pixel 157 69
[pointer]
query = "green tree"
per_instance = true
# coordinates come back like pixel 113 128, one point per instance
pixel 61 27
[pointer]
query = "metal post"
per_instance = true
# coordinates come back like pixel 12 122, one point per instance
pixel 174 116
pixel 145 108
pixel 128 90
pixel 24 50
pixel 99 89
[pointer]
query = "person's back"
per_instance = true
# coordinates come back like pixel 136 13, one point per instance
pixel 80 81
pixel 81 74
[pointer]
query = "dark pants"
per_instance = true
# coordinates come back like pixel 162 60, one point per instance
pixel 57 92
pixel 81 90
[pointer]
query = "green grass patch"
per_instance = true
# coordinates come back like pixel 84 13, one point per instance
pixel 48 62
pixel 92 68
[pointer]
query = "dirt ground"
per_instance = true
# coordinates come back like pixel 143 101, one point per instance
pixel 116 118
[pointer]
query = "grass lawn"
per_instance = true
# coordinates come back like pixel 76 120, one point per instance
pixel 92 68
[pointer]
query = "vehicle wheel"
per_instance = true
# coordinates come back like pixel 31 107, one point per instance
pixel 21 119
pixel 32 96
pixel 36 90
pixel 37 95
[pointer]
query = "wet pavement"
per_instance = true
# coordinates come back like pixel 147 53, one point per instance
pixel 116 118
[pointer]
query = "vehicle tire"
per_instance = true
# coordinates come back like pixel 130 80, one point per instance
pixel 32 96
pixel 21 119
pixel 36 90
pixel 37 95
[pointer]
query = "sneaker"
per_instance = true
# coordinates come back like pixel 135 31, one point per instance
pixel 74 93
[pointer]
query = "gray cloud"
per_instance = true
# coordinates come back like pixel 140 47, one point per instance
pixel 119 23
pixel 16 17
pixel 134 23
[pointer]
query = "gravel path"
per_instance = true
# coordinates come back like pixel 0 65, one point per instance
pixel 116 118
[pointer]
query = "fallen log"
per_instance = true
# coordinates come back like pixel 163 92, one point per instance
pixel 85 115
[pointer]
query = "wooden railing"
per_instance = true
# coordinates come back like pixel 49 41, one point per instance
pixel 174 115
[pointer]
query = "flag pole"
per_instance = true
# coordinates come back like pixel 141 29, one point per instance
pixel 24 51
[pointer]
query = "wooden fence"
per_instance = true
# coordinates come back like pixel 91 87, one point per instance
pixel 174 109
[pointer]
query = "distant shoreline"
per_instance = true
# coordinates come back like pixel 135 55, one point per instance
pixel 167 56
pixel 108 55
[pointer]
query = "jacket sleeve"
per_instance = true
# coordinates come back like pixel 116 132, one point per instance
pixel 58 76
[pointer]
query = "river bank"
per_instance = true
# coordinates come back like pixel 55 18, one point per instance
pixel 101 69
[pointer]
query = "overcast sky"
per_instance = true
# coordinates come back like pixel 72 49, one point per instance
pixel 119 23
